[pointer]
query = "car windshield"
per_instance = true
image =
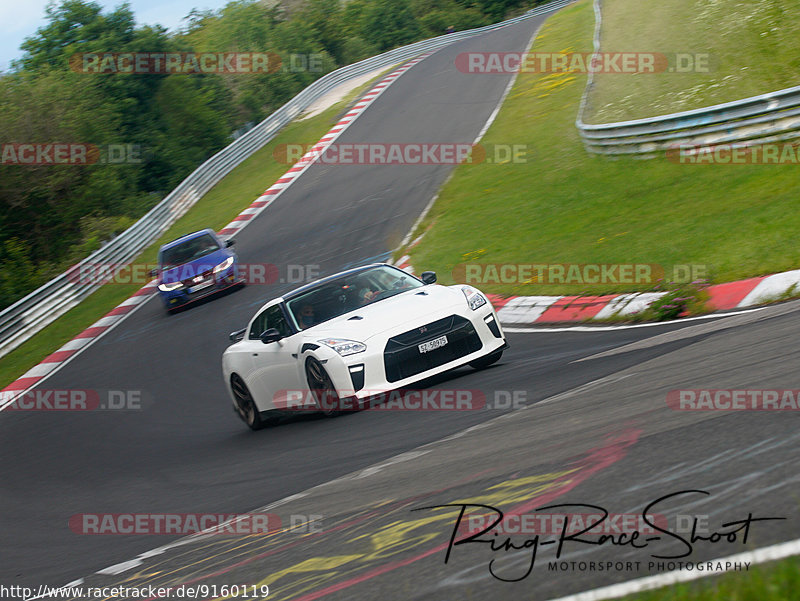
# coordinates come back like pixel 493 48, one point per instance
pixel 339 296
pixel 189 251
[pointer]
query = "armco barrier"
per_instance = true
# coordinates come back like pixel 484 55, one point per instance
pixel 47 303
pixel 767 118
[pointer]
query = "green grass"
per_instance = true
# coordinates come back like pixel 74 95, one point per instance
pixel 752 48
pixel 216 209
pixel 779 581
pixel 565 206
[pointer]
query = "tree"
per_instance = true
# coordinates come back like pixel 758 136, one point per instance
pixel 389 23
pixel 324 20
pixel 73 26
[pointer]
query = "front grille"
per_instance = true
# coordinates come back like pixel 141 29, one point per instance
pixel 206 275
pixel 427 332
pixel 189 284
pixel 402 358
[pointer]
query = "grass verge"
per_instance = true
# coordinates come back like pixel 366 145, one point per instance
pixel 216 209
pixel 557 204
pixel 751 49
pixel 779 581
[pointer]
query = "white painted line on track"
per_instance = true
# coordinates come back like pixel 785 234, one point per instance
pixel 598 383
pixel 478 138
pixel 765 554
pixel 372 470
pixel 629 326
pixel 285 500
pixel 505 93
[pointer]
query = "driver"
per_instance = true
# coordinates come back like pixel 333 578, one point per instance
pixel 306 317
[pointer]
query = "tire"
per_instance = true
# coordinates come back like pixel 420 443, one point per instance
pixel 321 386
pixel 488 360
pixel 245 406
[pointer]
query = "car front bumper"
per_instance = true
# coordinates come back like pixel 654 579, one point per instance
pixel 174 299
pixel 395 360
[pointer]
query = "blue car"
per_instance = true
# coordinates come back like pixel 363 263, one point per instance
pixel 195 266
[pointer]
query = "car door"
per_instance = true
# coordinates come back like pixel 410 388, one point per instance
pixel 274 365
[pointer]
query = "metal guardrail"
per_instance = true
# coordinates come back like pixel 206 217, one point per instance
pixel 47 303
pixel 767 118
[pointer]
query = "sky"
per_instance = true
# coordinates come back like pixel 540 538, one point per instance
pixel 20 19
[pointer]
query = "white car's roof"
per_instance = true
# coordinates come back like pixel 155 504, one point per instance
pixel 312 285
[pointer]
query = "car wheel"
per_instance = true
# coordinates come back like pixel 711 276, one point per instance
pixel 321 386
pixel 245 406
pixel 487 360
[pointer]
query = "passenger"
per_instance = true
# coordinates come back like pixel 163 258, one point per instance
pixel 366 295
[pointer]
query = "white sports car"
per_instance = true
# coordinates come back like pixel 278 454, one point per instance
pixel 373 328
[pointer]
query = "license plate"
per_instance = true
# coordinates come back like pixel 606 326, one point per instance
pixel 432 345
pixel 201 286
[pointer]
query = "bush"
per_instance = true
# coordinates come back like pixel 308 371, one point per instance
pixel 680 300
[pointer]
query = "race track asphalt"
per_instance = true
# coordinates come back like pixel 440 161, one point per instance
pixel 184 451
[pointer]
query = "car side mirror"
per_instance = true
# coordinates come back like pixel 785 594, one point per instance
pixel 270 335
pixel 429 277
pixel 229 243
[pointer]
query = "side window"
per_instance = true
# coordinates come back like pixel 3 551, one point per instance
pixel 271 317
pixel 278 321
pixel 259 325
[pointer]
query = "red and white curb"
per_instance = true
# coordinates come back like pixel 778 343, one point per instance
pixel 555 309
pixel 68 351
pixel 529 310
pixel 404 262
pixel 52 363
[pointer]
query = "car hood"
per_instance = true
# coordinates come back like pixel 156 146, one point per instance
pixel 409 308
pixel 196 267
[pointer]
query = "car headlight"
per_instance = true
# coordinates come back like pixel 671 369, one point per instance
pixel 475 299
pixel 224 265
pixel 169 286
pixel 344 347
